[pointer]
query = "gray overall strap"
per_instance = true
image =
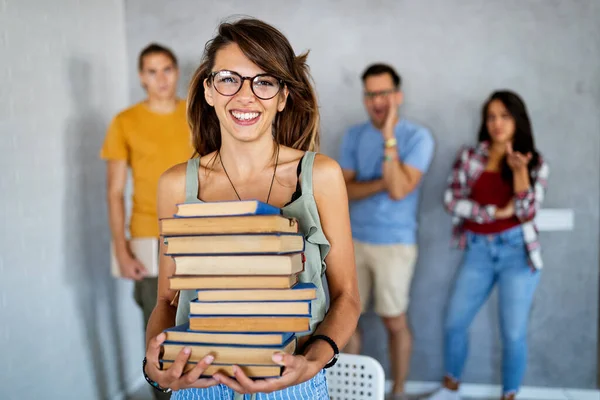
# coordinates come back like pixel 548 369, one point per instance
pixel 191 180
pixel 307 172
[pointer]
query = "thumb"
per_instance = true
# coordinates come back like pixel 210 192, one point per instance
pixel 154 347
pixel 283 359
pixel 509 148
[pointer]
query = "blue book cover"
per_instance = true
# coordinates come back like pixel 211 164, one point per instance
pixel 287 341
pixel 225 208
pixel 246 308
pixel 208 316
pixel 234 234
pixel 250 323
pixel 253 371
pixel 297 286
pixel 299 292
pixel 208 248
pixel 183 333
pixel 233 302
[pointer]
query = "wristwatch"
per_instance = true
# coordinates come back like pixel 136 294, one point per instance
pixel 391 142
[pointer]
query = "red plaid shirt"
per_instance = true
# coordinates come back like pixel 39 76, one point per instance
pixel 469 165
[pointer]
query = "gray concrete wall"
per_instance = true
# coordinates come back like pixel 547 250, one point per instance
pixel 451 54
pixel 68 330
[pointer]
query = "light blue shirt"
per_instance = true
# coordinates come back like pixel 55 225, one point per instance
pixel 379 219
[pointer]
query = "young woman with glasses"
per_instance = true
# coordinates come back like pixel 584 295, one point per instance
pixel 254 119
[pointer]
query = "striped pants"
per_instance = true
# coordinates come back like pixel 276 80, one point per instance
pixel 313 389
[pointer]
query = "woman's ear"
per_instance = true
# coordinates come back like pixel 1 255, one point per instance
pixel 208 95
pixel 283 99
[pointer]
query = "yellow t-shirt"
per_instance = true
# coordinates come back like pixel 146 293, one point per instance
pixel 151 143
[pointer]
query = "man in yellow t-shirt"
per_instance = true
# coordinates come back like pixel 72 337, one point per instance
pixel 149 138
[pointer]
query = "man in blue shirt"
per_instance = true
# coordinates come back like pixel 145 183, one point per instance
pixel 383 162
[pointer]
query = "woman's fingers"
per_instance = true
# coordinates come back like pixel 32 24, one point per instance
pixel 194 374
pixel 176 369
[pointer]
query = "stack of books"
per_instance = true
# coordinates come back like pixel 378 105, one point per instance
pixel 243 259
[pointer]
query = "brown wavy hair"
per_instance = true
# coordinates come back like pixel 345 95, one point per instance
pixel 297 126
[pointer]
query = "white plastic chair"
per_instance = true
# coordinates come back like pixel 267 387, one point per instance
pixel 356 377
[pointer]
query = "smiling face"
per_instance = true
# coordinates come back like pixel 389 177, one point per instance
pixel 379 93
pixel 242 116
pixel 500 123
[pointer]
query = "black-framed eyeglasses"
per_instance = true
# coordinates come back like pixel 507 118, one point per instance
pixel 372 95
pixel 264 86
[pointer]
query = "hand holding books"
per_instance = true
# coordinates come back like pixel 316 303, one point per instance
pixel 297 369
pixel 178 376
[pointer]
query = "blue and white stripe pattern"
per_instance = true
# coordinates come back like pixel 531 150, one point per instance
pixel 313 389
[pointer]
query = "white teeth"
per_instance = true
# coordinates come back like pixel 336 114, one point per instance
pixel 244 116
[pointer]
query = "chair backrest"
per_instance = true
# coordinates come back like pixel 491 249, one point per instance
pixel 356 377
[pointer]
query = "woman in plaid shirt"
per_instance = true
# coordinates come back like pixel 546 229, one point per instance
pixel 493 193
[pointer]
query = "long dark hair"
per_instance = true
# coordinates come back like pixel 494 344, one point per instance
pixel 297 126
pixel 523 141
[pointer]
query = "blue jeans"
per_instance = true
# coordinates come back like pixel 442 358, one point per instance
pixel 313 389
pixel 489 259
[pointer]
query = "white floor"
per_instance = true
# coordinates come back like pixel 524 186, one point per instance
pixel 477 391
